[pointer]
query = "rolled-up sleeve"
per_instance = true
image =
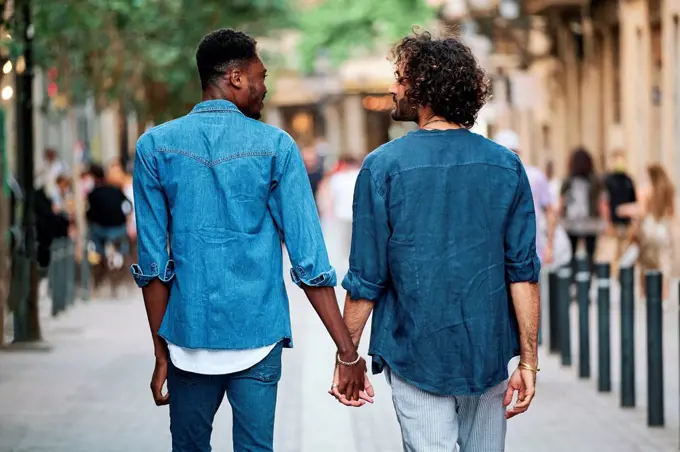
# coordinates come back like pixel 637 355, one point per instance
pixel 293 208
pixel 367 277
pixel 521 260
pixel 151 211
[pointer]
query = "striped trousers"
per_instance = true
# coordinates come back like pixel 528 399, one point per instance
pixel 432 423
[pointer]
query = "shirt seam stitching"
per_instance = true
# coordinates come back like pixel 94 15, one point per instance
pixel 213 110
pixel 403 170
pixel 213 163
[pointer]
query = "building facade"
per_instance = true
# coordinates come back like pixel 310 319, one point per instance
pixel 603 74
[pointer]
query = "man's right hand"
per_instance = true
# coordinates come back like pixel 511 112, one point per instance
pixel 351 379
pixel 523 382
pixel 158 379
pixel 365 395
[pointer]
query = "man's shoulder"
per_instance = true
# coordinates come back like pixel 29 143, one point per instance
pixel 384 155
pixel 278 136
pixel 165 133
pixel 156 133
pixel 494 153
pixel 476 149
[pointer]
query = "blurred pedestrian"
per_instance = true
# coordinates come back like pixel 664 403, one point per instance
pixel 619 191
pixel 53 167
pixel 119 176
pixel 49 225
pixel 582 204
pixel 554 182
pixel 323 149
pixel 107 210
pixel 546 216
pixel 215 191
pixel 341 192
pixel 444 229
pixel 314 167
pixel 652 230
pixel 61 198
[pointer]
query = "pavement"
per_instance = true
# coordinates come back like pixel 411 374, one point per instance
pixel 89 393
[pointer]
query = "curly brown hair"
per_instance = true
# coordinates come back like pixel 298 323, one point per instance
pixel 442 74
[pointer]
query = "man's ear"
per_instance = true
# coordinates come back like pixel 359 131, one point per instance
pixel 235 78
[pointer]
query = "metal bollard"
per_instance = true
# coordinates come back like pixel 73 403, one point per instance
pixel 564 281
pixel 71 274
pixel 655 407
pixel 85 271
pixel 627 277
pixel 58 277
pixel 583 288
pixel 553 312
pixel 53 282
pixel 604 375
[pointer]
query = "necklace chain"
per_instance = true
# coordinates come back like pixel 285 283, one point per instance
pixel 432 122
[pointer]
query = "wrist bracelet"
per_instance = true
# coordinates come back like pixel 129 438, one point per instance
pixel 344 363
pixel 528 367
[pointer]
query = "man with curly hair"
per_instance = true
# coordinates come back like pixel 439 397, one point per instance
pixel 444 255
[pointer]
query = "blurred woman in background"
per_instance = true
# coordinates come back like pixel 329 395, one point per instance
pixel 652 229
pixel 582 204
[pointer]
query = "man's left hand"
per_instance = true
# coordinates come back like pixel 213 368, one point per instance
pixel 523 382
pixel 365 395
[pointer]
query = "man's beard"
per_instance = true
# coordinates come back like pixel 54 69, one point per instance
pixel 255 100
pixel 404 110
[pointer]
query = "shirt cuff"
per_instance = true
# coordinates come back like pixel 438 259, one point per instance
pixel 142 279
pixel 325 279
pixel 527 271
pixel 360 289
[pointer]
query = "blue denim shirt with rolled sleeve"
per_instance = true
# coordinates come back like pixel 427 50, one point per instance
pixel 216 193
pixel 443 223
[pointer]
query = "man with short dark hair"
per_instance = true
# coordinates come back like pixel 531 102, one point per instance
pixel 215 191
pixel 444 253
pixel 620 191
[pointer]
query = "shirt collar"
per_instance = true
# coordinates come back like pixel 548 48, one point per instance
pixel 215 105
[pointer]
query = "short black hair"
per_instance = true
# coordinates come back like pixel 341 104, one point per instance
pixel 221 48
pixel 97 171
pixel 444 75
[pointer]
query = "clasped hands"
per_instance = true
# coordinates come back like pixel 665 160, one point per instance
pixel 351 385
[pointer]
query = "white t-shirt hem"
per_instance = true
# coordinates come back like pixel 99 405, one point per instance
pixel 216 362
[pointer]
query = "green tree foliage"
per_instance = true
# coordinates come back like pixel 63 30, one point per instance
pixel 139 52
pixel 339 28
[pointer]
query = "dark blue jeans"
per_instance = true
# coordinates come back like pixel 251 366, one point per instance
pixel 100 235
pixel 194 400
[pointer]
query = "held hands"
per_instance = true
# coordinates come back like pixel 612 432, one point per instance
pixel 351 385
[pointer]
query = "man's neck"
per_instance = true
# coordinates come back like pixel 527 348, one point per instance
pixel 428 120
pixel 216 93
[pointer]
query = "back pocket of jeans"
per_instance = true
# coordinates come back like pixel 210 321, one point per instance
pixel 269 369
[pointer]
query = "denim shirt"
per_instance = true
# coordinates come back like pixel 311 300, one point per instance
pixel 215 195
pixel 443 222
